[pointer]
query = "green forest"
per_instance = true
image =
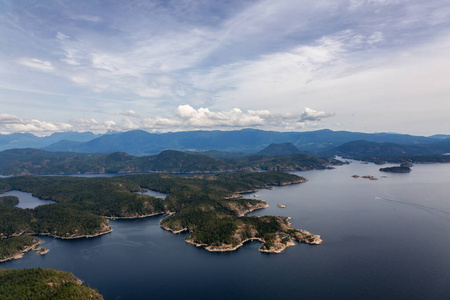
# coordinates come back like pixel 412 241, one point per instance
pixel 14 245
pixel 30 284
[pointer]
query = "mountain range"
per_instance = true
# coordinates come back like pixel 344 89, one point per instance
pixel 229 144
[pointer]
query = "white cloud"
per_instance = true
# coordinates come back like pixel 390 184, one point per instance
pixel 312 115
pixel 203 117
pixel 12 124
pixel 160 123
pixel 36 63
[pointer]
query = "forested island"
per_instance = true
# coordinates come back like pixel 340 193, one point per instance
pixel 397 169
pixel 41 283
pixel 210 207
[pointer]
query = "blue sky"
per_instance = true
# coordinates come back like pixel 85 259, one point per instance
pixel 285 65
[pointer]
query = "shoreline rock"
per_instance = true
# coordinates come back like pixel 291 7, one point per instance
pixel 20 254
pixel 106 229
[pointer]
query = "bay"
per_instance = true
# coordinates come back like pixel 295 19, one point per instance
pixel 27 200
pixel 383 239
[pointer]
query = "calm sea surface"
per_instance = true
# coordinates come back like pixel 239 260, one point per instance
pixel 383 239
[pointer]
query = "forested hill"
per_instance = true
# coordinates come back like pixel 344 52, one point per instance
pixel 43 284
pixel 39 162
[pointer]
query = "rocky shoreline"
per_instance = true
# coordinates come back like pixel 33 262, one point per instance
pixel 40 250
pixel 281 242
pixel 282 239
pixel 106 229
pixel 139 216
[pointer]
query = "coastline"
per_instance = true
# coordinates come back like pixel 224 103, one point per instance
pixel 282 240
pixel 20 254
pixel 106 229
pixel 139 216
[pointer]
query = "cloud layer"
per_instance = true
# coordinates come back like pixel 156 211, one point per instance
pixel 168 64
pixel 185 117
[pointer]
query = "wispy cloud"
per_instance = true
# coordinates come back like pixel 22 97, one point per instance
pixel 36 63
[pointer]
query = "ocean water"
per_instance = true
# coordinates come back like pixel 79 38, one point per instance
pixel 383 239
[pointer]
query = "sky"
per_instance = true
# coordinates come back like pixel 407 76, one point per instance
pixel 177 65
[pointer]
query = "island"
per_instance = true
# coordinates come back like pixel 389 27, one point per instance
pixel 211 207
pixel 43 284
pixel 398 169
pixel 370 177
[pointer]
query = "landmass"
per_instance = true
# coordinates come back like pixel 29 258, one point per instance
pixel 410 159
pixel 19 162
pixel 211 207
pixel 43 284
pixel 15 247
pixel 396 169
pixel 276 234
pixel 9 200
pixel 370 177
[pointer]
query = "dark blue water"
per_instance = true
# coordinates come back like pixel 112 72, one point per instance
pixel 384 239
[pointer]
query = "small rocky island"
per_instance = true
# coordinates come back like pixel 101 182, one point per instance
pixel 398 169
pixel 370 177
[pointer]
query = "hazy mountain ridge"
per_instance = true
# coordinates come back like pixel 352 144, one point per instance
pixel 138 142
pixel 225 144
pixel 28 140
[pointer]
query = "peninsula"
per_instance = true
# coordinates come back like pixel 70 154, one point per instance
pixel 15 247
